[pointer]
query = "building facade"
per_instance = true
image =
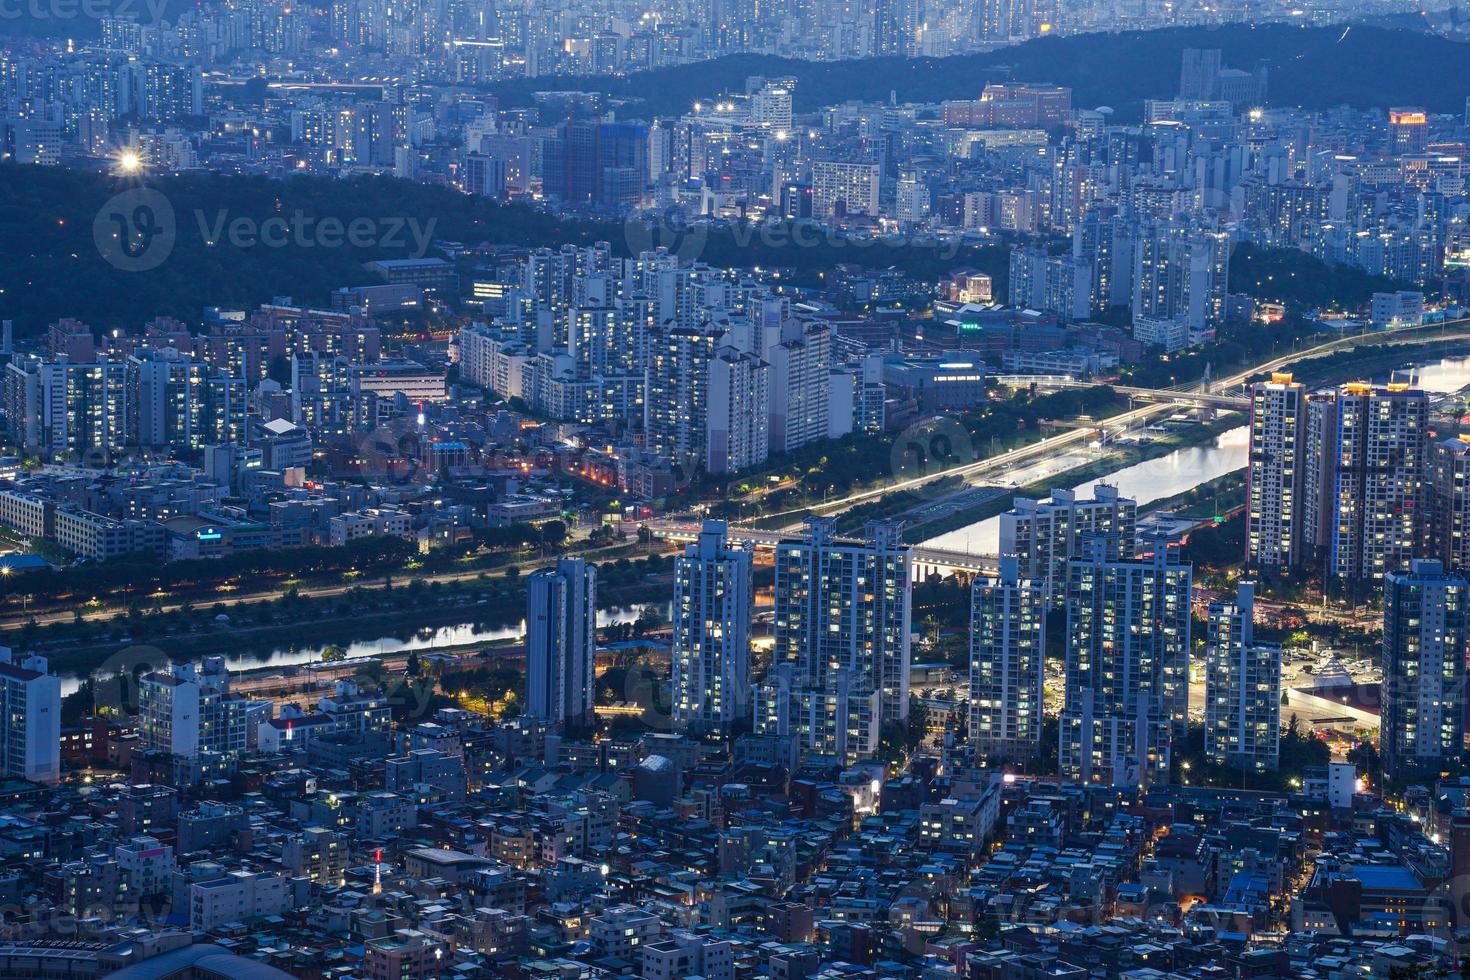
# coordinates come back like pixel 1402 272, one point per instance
pixel 1274 475
pixel 561 642
pixel 1127 675
pixel 711 637
pixel 1426 627
pixel 1242 687
pixel 1007 661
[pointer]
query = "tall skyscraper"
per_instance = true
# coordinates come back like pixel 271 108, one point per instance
pixel 1365 481
pixel 1199 72
pixel 1425 636
pixel 801 362
pixel 1045 534
pixel 1449 502
pixel 712 613
pixel 1128 641
pixel 1274 475
pixel 676 408
pixel 30 726
pixel 1007 660
pixel 842 622
pixel 1242 687
pixel 737 429
pixel 561 643
pixel 595 162
pixel 770 106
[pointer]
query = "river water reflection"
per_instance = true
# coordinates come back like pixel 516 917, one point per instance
pixel 1185 469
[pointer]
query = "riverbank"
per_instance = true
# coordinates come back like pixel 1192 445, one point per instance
pixel 1440 363
pixel 1338 368
pixel 1212 498
pixel 1132 455
pixel 302 625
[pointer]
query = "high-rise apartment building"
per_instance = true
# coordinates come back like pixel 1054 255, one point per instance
pixel 1449 502
pixel 839 719
pixel 1242 687
pixel 676 407
pixel 84 409
pixel 842 621
pixel 1365 478
pixel 1007 660
pixel 1128 643
pixel 1425 635
pixel 1181 275
pixel 844 189
pixel 801 364
pixel 1275 472
pixel 561 643
pixel 711 637
pixel 1045 534
pixel 737 427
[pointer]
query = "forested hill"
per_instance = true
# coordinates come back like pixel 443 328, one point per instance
pixel 1312 67
pixel 238 241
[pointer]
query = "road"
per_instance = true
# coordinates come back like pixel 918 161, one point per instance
pixel 400 578
pixel 1025 454
pixel 1052 444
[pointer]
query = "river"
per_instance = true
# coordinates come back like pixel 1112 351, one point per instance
pixel 1185 469
pixel 429 638
pixel 1145 482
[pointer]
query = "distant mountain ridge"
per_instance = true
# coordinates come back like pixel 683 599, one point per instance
pixel 1316 68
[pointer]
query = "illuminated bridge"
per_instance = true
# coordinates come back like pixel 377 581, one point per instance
pixel 926 561
pixel 1183 395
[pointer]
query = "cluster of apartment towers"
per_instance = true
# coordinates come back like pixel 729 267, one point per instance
pixel 839 669
pixel 1342 478
pixel 1346 483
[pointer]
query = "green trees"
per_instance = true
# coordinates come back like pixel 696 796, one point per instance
pixel 144 574
pixel 1302 281
pixel 46 216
